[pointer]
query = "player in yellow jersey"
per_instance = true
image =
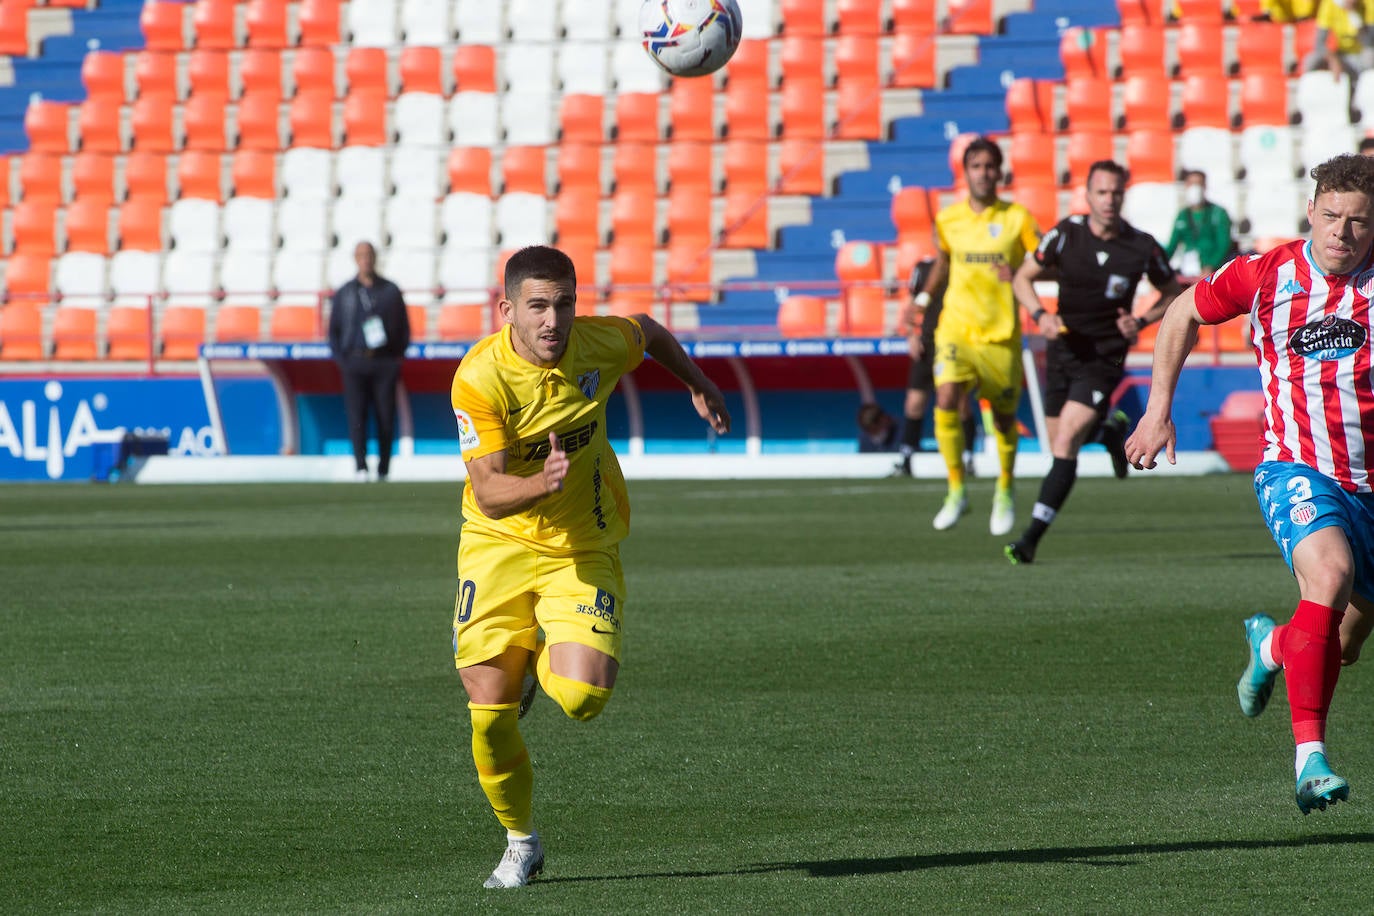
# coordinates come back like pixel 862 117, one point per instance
pixel 544 511
pixel 982 241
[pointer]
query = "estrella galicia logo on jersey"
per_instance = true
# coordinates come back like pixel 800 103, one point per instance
pixel 1291 287
pixel 538 449
pixel 1329 339
pixel 1303 514
pixel 589 382
pixel 602 609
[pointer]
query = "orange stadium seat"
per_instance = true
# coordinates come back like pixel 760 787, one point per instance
pixel 1088 103
pixel 98 123
pixel 632 262
pixel 523 169
pixel 1030 106
pixel 102 74
pixel 260 73
pixel 74 333
pixel 690 166
pixel 33 223
pixel 635 165
pixel 1041 200
pixel 1150 155
pixel 802 316
pixel 689 261
pixel 856 59
pixel 40 178
pixel 632 216
pixel 319 22
pixel 636 117
pixel 1083 53
pixel 422 70
pixel 801 167
pixel 294 323
pixel 1032 159
pixel 128 332
pixel 1206 102
pixel 213 22
pixel 1139 12
pixel 912 213
pixel 750 60
pixel 182 332
pixel 1141 47
pixel 254 174
pixel 579 166
pixel 1264 99
pixel 689 215
pixel 576 217
pixel 859 260
pixel 583 118
pixel 259 124
pixel 1145 102
pixel 238 323
pixel 312 70
pixel 1259 48
pixel 913 60
pixel 364 119
pixel 312 120
pixel 858 111
pixel 1199 49
pixel 151 124
pixel 202 119
pixel 88 226
pixel 4 182
pixel 418 316
pixel 1199 10
pixel 14 29
pixel 1084 149
pixel 746 221
pixel 266 23
pixel 691 110
pixel 859 17
pixel 803 109
pixel 803 17
pixel 198 175
pixel 162 26
pixel 914 17
pixel 145 177
pixel 21 331
pixel 971 17
pixel 474 68
pixel 27 274
pixel 746 110
pixel 462 321
pixel 366 69
pixel 863 311
pixel 746 166
pixel 93 177
pixel 46 125
pixel 207 71
pixel 802 57
pixel 140 226
pixel 469 169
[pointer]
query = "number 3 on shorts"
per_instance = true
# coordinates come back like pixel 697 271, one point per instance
pixel 1303 486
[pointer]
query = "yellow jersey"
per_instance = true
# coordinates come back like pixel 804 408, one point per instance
pixel 504 402
pixel 1344 25
pixel 978 303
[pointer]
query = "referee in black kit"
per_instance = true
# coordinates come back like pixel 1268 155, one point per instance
pixel 1099 259
pixel 369 331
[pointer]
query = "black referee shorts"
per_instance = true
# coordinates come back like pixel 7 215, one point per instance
pixel 1082 374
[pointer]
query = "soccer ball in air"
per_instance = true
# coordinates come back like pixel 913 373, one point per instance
pixel 690 37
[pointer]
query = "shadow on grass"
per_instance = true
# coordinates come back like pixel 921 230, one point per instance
pixel 97 525
pixel 1081 855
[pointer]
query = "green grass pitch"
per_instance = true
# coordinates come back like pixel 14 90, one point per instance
pixel 240 699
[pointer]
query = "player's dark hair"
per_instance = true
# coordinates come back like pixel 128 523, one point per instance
pixel 537 262
pixel 1366 145
pixel 1347 172
pixel 983 145
pixel 1189 173
pixel 1106 165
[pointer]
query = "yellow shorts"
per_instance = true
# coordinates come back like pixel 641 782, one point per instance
pixel 993 368
pixel 507 593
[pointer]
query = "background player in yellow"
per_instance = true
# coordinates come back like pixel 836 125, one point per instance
pixel 982 241
pixel 544 510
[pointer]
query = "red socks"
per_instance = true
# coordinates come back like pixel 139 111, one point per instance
pixel 1309 648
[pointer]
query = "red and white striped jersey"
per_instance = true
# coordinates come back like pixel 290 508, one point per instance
pixel 1311 335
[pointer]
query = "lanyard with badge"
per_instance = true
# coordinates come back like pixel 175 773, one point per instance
pixel 374 332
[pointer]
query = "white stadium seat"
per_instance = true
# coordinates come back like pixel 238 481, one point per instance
pixel 189 278
pixel 307 174
pixel 298 277
pixel 758 17
pixel 302 225
pixel 633 70
pixel 466 220
pixel 479 22
pixel 135 276
pixel 341 267
pixel 417 171
pixel 425 23
pixel 246 277
pixel 533 20
pixel 414 271
pixel 1151 207
pixel 419 119
pixel 411 222
pixel 472 117
pixel 626 18
pixel 373 23
pixel 1208 150
pixel 361 172
pixel 584 67
pixel 248 224
pixel 1276 210
pixel 587 20
pixel 465 274
pixel 1319 142
pixel 357 219
pixel 79 279
pixel 1322 99
pixel 527 118
pixel 522 219
pixel 193 225
pixel 527 67
pixel 1266 154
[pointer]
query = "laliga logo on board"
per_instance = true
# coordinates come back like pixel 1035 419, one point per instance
pixel 23 443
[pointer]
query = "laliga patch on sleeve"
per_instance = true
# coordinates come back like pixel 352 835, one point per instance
pixel 467 432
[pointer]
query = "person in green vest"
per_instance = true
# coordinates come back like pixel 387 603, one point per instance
pixel 1201 240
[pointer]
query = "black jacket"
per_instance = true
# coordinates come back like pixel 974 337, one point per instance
pixel 353 303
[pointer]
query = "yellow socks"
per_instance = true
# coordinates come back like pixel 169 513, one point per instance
pixel 1007 441
pixel 503 765
pixel 580 701
pixel 949 435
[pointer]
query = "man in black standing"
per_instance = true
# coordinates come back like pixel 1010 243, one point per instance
pixel 369 331
pixel 1099 259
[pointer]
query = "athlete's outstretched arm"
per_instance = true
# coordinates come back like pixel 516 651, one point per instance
pixel 1177 335
pixel 499 494
pixel 668 353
